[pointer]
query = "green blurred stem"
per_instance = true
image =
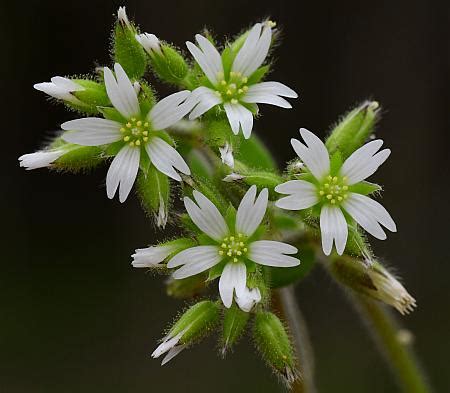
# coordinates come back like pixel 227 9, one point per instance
pixel 285 304
pixel 385 331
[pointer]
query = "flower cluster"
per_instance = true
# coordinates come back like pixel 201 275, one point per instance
pixel 239 209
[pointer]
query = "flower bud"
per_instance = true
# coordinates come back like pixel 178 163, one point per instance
pixel 154 191
pixel 165 60
pixel 373 280
pixel 274 345
pixel 234 323
pixel 354 129
pixel 193 325
pixel 226 155
pixel 127 51
pixel 154 256
pixel 83 95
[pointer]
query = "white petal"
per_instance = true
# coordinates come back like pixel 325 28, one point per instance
pixel 151 256
pixel 170 110
pixel 206 216
pixel 314 154
pixel 248 299
pixel 167 345
pixel 369 214
pixel 194 260
pixel 239 116
pixel 211 53
pixel 209 59
pixel 39 159
pixel 266 98
pixel 204 99
pixel 91 131
pixel 253 51
pixel 67 84
pixel 250 212
pixel 226 155
pixel 271 253
pixel 172 353
pixel 149 42
pixel 272 88
pixel 333 227
pixel 364 161
pixel 121 92
pixel 165 158
pixel 304 195
pixel 122 172
pixel 233 278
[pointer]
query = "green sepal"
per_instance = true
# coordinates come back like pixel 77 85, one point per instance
pixel 364 188
pixel 112 149
pixel 93 95
pixel 111 113
pixel 170 66
pixel 354 129
pixel 258 75
pixel 216 270
pixel 261 179
pixel 146 98
pixel 234 323
pixel 197 321
pixel 209 190
pixel 228 56
pixel 128 52
pixel 283 276
pixel 79 158
pixel 153 188
pixel 335 163
pixel 230 216
pixel 272 341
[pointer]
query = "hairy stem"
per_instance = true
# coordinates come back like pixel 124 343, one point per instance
pixel 385 330
pixel 285 303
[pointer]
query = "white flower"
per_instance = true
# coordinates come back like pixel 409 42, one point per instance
pixel 150 43
pixel 136 132
pixel 169 346
pixel 40 159
pixel 60 88
pixel 336 193
pixel 247 300
pixel 226 154
pixel 151 256
pixel 232 88
pixel 231 245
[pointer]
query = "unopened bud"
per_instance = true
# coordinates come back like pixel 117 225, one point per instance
pixel 154 191
pixel 122 17
pixel 127 51
pixel 192 326
pixel 274 345
pixel 354 129
pixel 233 177
pixel 234 323
pixel 150 43
pixel 373 280
pixel 40 159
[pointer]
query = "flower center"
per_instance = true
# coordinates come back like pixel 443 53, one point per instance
pixel 334 189
pixel 233 89
pixel 233 246
pixel 135 132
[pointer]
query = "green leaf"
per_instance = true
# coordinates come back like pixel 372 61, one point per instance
pixel 253 153
pixel 128 52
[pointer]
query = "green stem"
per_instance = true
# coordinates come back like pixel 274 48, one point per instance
pixel 285 303
pixel 385 331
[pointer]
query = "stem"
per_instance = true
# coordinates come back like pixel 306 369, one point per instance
pixel 285 303
pixel 385 332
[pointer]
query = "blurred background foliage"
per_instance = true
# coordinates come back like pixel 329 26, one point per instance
pixel 76 316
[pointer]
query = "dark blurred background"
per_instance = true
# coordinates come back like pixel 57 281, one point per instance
pixel 75 316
